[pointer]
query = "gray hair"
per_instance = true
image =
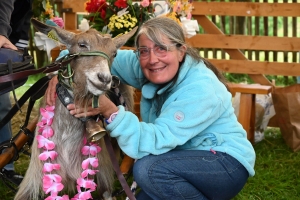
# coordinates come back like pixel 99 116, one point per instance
pixel 158 28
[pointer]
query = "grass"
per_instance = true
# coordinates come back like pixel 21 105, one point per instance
pixel 277 172
pixel 277 169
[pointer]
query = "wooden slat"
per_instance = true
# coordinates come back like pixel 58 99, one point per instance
pixel 269 43
pixel 246 9
pixel 257 67
pixel 70 17
pixel 250 88
pixel 211 28
pixel 76 5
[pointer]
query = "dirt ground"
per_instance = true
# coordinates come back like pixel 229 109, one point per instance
pixel 19 118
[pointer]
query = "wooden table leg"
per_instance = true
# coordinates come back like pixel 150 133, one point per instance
pixel 247 114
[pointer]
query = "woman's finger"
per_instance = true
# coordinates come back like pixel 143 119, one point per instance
pixel 51 91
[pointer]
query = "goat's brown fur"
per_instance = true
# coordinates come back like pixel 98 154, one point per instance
pixel 68 130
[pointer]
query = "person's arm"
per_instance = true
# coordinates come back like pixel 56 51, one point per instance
pixel 6 9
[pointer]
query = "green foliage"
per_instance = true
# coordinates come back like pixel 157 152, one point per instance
pixel 244 78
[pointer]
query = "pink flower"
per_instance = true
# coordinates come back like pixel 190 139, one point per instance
pixel 44 142
pixel 48 179
pixel 65 197
pixel 52 183
pixel 93 161
pixel 48 154
pixel 145 3
pixel 83 195
pixel 48 111
pixel 177 6
pixel 87 172
pixel 46 130
pixel 47 114
pixel 54 188
pixel 49 167
pixel 59 21
pixel 87 184
pixel 90 150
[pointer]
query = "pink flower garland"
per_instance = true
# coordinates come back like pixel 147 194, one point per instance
pixel 52 182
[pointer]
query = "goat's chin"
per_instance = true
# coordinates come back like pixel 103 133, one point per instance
pixel 97 90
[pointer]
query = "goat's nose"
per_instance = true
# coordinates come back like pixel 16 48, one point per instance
pixel 105 79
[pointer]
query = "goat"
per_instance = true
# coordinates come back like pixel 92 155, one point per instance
pixel 91 77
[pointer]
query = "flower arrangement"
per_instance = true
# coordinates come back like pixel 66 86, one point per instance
pixel 42 41
pixel 118 16
pixel 179 9
pixel 48 15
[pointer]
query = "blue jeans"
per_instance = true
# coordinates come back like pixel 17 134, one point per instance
pixel 5 131
pixel 189 174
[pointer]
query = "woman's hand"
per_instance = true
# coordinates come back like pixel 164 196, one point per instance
pixel 50 94
pixel 5 43
pixel 105 107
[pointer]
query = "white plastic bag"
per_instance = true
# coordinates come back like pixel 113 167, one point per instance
pixel 264 111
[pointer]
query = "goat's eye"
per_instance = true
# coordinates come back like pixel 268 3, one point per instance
pixel 82 45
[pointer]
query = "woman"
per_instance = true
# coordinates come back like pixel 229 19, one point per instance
pixel 189 144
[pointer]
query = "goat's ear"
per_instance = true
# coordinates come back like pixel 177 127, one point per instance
pixel 53 32
pixel 119 41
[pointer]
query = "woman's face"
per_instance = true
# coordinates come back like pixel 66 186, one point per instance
pixel 160 70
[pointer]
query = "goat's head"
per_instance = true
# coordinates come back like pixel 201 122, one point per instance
pixel 91 73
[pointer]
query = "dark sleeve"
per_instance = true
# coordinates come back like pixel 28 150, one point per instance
pixel 20 20
pixel 6 9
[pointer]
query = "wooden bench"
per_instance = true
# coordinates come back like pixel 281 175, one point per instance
pixel 215 39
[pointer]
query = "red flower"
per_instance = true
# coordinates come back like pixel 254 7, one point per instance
pixel 103 14
pixel 95 6
pixel 121 4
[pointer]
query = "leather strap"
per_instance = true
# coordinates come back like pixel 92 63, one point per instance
pixel 22 74
pixel 117 169
pixel 37 88
pixel 52 67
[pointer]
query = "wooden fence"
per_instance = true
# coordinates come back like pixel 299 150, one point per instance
pixel 286 25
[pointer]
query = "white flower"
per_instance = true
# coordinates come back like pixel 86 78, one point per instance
pixel 84 25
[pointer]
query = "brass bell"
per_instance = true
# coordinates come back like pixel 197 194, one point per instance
pixel 94 131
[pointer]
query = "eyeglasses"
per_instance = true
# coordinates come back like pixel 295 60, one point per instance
pixel 159 51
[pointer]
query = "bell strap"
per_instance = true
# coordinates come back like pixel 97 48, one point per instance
pixel 117 169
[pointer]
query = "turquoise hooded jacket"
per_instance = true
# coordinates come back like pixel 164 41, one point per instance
pixel 197 114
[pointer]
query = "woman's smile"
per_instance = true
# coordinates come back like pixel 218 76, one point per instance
pixel 157 69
